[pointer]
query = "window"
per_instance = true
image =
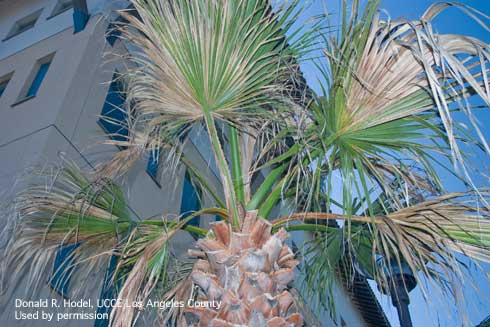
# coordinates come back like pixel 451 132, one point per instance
pixel 34 82
pixel 24 24
pixel 190 201
pixel 4 81
pixel 38 79
pixel 114 116
pixel 152 167
pixel 62 270
pixel 108 292
pixel 61 7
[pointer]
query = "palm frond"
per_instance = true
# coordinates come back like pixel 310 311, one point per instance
pixel 228 58
pixel 385 109
pixel 64 207
pixel 427 236
pixel 146 267
pixel 203 57
pixel 211 61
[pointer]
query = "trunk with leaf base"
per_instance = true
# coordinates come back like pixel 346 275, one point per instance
pixel 248 271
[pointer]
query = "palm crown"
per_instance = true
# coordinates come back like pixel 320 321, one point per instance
pixel 380 124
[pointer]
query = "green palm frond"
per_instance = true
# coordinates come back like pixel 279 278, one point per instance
pixel 321 258
pixel 382 127
pixel 383 123
pixel 146 267
pixel 64 207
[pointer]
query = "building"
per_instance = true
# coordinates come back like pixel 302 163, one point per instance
pixel 55 79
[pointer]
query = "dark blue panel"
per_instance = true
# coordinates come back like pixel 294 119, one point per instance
pixel 153 164
pixel 60 281
pixel 114 116
pixel 108 292
pixel 190 201
pixel 38 79
pixel 80 19
pixel 3 86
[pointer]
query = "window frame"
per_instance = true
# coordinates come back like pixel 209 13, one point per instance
pixel 34 78
pixel 37 81
pixel 16 29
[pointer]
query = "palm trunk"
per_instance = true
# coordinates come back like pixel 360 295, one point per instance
pixel 248 272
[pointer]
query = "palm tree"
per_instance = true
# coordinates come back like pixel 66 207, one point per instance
pixel 381 126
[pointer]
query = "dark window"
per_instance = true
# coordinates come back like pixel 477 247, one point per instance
pixel 62 6
pixel 190 201
pixel 3 85
pixel 63 268
pixel 153 164
pixel 108 292
pixel 24 24
pixel 114 116
pixel 38 79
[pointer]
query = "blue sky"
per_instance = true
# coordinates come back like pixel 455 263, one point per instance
pixel 442 311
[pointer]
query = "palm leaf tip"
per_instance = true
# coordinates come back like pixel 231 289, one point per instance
pixel 404 67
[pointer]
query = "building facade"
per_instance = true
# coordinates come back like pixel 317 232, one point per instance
pixel 56 74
